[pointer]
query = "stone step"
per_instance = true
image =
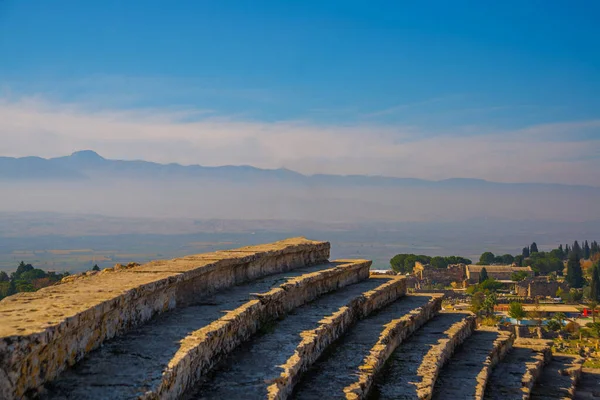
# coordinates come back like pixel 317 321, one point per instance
pixel 515 375
pixel 558 379
pixel 412 369
pixel 339 365
pixel 265 366
pixel 588 387
pixel 467 372
pixel 151 360
pixel 44 332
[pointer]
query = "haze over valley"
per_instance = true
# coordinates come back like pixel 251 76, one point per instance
pixel 72 212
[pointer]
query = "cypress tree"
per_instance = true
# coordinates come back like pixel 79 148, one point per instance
pixel 533 248
pixel 574 274
pixel 519 261
pixel 525 252
pixel 483 275
pixel 561 252
pixel 567 250
pixel 586 251
pixel 594 249
pixel 595 284
pixel 576 249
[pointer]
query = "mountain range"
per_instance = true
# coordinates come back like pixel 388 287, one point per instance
pixel 87 164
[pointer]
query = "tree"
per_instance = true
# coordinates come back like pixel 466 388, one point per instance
pixel 490 285
pixel 516 311
pixel 575 295
pixel 404 263
pixel 574 274
pixel 487 307
pixel 545 263
pixel 12 288
pixel 477 302
pixel 483 275
pixel 519 260
pixel 21 269
pixel 507 259
pixel 4 277
pixel 561 252
pixel 518 276
pixel 586 251
pixel 525 252
pixel 595 284
pixel 576 249
pixel 594 249
pixel 487 258
pixel 533 248
pixel 560 317
pixel 96 268
pixel 439 262
pixel 562 294
pixel 536 314
pixel 593 306
pixel 553 325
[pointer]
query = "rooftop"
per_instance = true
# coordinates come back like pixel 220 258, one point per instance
pixel 497 268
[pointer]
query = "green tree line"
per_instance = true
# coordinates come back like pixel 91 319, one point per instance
pixel 27 279
pixel 404 263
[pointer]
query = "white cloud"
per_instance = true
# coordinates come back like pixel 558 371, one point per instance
pixel 37 126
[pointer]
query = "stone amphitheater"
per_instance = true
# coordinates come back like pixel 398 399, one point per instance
pixel 274 321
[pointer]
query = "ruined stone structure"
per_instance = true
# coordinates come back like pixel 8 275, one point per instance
pixel 274 321
pixel 539 286
pixel 498 272
pixel 429 275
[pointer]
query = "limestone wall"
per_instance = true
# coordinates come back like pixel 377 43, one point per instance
pixel 44 332
pixel 439 355
pixel 574 372
pixel 534 369
pixel 395 332
pixel 315 341
pixel 203 348
pixel 501 346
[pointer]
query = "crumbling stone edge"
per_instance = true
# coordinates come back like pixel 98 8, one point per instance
pixel 315 341
pixel 534 369
pixel 394 333
pixel 574 373
pixel 439 355
pixel 202 349
pixel 501 346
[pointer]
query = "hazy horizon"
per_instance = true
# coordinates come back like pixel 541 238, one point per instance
pixel 485 117
pixel 500 92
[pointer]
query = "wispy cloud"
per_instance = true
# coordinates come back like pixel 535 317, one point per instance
pixel 36 126
pixel 406 106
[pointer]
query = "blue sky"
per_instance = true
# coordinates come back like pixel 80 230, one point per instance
pixel 426 78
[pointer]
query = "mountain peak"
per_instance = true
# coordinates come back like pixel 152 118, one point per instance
pixel 87 155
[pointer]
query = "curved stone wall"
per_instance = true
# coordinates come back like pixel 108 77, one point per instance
pixel 44 332
pixel 501 345
pixel 315 341
pixel 203 348
pixel 395 332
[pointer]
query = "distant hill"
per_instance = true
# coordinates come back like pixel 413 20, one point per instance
pixel 84 165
